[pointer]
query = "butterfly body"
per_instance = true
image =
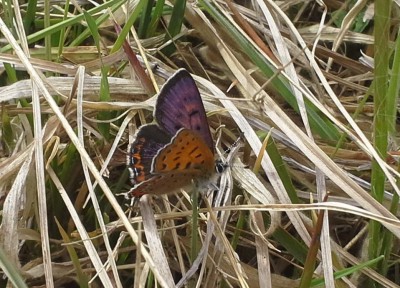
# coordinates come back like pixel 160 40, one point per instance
pixel 178 149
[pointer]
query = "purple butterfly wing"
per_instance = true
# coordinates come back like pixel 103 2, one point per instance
pixel 179 105
pixel 148 141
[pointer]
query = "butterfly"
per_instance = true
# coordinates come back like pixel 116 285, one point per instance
pixel 177 149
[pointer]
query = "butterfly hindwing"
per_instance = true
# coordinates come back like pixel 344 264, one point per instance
pixel 148 141
pixel 162 184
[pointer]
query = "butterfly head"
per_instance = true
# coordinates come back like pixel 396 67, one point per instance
pixel 220 166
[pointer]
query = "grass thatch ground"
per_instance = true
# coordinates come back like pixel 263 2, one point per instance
pixel 310 197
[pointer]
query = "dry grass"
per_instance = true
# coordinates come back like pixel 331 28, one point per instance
pixel 295 207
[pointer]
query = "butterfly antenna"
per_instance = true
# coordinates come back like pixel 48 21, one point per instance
pixel 234 144
pixel 220 165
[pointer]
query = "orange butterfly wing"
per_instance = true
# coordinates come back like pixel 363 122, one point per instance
pixel 187 157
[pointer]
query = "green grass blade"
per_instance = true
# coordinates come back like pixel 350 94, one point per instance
pixel 87 32
pixel 145 19
pixel 291 244
pixel 238 229
pixel 104 128
pixel 124 32
pixel 8 14
pixel 175 25
pixel 6 130
pixel 69 22
pixel 67 166
pixel 29 19
pixel 156 16
pixel 381 123
pixel 283 173
pixel 348 271
pixel 62 31
pixel 11 271
pixel 11 73
pixel 393 90
pixel 82 279
pixel 47 38
pixel 93 27
pixel 318 123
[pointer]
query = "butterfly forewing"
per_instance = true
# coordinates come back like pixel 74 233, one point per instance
pixel 179 105
pixel 164 183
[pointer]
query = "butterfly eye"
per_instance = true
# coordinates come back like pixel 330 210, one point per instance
pixel 220 166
